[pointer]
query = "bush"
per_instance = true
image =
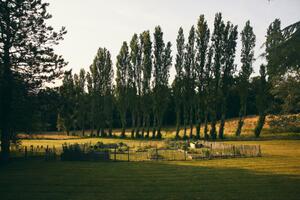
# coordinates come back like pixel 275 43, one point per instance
pixel 285 123
pixel 76 152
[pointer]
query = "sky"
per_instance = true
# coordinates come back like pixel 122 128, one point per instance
pixel 107 23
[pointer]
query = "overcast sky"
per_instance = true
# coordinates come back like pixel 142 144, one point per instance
pixel 107 23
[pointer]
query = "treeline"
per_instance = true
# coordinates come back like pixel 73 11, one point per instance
pixel 135 95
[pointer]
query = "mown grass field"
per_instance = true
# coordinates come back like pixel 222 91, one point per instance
pixel 275 175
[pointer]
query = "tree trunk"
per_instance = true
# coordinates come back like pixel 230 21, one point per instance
pixel 148 126
pixel 213 133
pixel 123 121
pixel 83 132
pixel 133 125
pixel 177 124
pixel 241 120
pixel 143 126
pixel 110 131
pixel 191 124
pixel 206 136
pixel 260 124
pixel 184 129
pixel 159 136
pixel 198 127
pixel 239 126
pixel 137 131
pixel 222 125
pixel 5 144
pixel 154 128
pixel 6 99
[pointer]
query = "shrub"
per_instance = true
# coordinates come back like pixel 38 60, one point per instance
pixel 76 152
pixel 285 123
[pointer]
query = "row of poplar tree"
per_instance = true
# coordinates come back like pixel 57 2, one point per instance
pixel 205 72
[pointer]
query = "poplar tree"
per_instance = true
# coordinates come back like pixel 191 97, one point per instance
pixel 81 100
pixel 101 74
pixel 207 103
pixel 189 81
pixel 146 49
pixel 134 87
pixel 123 64
pixel 202 40
pixel 247 58
pixel 91 105
pixel 178 81
pixel 227 70
pixel 108 75
pixel 27 52
pixel 67 93
pixel 162 62
pixel 217 46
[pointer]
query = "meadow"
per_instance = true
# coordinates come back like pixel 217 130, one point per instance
pixel 275 175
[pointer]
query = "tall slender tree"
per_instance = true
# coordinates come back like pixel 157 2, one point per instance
pixel 162 62
pixel 227 70
pixel 123 64
pixel 81 99
pixel 202 40
pixel 146 48
pixel 189 81
pixel 207 103
pixel 108 74
pixel 261 101
pixel 134 89
pixel 178 81
pixel 247 58
pixel 101 73
pixel 217 45
pixel 67 93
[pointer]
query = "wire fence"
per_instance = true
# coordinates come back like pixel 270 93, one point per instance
pixel 193 151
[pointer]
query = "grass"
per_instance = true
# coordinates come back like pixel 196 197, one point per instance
pixel 170 132
pixel 276 175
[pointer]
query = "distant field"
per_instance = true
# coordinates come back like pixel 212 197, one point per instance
pixel 169 132
pixel 276 175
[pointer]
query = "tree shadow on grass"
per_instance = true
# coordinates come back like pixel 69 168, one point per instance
pixel 140 180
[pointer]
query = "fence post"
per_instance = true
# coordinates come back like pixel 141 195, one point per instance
pixel 259 150
pixel 156 151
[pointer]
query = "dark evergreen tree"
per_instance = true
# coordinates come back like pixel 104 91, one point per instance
pixel 26 51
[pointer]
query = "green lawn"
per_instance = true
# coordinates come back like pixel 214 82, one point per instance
pixel 276 175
